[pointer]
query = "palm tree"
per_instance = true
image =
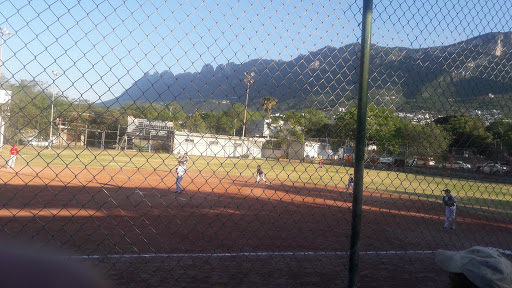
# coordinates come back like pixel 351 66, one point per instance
pixel 269 102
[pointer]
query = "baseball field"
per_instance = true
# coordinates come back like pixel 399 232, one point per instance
pixel 117 210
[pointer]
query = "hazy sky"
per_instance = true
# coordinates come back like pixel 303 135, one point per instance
pixel 102 47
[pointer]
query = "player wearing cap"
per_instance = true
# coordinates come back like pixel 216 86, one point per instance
pixel 14 154
pixel 451 205
pixel 350 182
pixel 185 159
pixel 260 175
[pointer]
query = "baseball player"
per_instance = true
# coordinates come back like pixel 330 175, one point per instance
pixel 180 172
pixel 320 164
pixel 185 159
pixel 260 175
pixel 179 155
pixel 14 154
pixel 350 182
pixel 451 205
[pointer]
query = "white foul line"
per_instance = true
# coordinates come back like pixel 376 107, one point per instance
pixel 182 255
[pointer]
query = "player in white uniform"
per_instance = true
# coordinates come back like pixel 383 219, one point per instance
pixel 451 206
pixel 180 172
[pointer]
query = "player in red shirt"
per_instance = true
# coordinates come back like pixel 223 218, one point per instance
pixel 320 165
pixel 14 154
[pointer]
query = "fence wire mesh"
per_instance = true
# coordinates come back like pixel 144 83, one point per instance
pixel 197 144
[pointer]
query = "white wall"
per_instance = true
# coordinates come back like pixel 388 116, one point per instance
pixel 216 145
pixel 317 150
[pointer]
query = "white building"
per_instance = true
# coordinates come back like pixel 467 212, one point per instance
pixel 317 150
pixel 216 145
pixel 310 149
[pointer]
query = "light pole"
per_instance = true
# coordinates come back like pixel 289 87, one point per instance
pixel 5 32
pixel 55 74
pixel 248 79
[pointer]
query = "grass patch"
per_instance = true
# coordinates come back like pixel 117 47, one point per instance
pixel 477 193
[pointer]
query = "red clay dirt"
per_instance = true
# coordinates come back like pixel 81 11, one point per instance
pixel 200 236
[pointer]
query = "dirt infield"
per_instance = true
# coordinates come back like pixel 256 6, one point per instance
pixel 201 235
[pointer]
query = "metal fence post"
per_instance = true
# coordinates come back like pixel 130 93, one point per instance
pixel 362 105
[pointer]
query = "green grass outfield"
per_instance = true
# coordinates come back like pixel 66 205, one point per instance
pixel 478 193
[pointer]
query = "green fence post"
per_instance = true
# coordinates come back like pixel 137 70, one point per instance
pixel 362 107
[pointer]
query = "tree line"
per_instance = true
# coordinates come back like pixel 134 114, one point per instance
pixel 30 114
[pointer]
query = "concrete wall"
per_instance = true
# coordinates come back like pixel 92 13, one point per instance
pixel 216 145
pixel 271 153
pixel 295 151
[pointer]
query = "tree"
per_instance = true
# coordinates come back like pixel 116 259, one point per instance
pixel 382 128
pixel 30 109
pixel 268 103
pixel 467 131
pixel 423 140
pixel 501 133
pixel 315 123
pixel 196 122
pixel 177 116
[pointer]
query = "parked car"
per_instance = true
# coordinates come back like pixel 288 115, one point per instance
pixel 386 160
pixel 492 168
pixel 427 161
pixel 457 165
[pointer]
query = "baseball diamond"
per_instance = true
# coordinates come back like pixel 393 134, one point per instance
pixel 233 215
pixel 255 143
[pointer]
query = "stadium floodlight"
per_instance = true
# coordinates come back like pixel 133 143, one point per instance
pixel 5 32
pixel 55 75
pixel 249 81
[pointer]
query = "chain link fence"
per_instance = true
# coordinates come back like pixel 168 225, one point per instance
pixel 199 144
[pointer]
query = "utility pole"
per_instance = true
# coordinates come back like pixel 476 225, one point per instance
pixel 77 124
pixel 103 140
pixel 85 140
pixel 117 138
pixel 55 74
pixel 4 32
pixel 248 79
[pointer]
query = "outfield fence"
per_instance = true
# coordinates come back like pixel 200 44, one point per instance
pixel 256 143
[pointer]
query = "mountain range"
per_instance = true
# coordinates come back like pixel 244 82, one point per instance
pixel 462 74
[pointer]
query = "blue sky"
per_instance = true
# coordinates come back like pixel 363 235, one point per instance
pixel 102 47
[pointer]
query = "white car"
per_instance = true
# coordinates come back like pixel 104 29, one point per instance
pixel 386 160
pixel 493 168
pixel 458 165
